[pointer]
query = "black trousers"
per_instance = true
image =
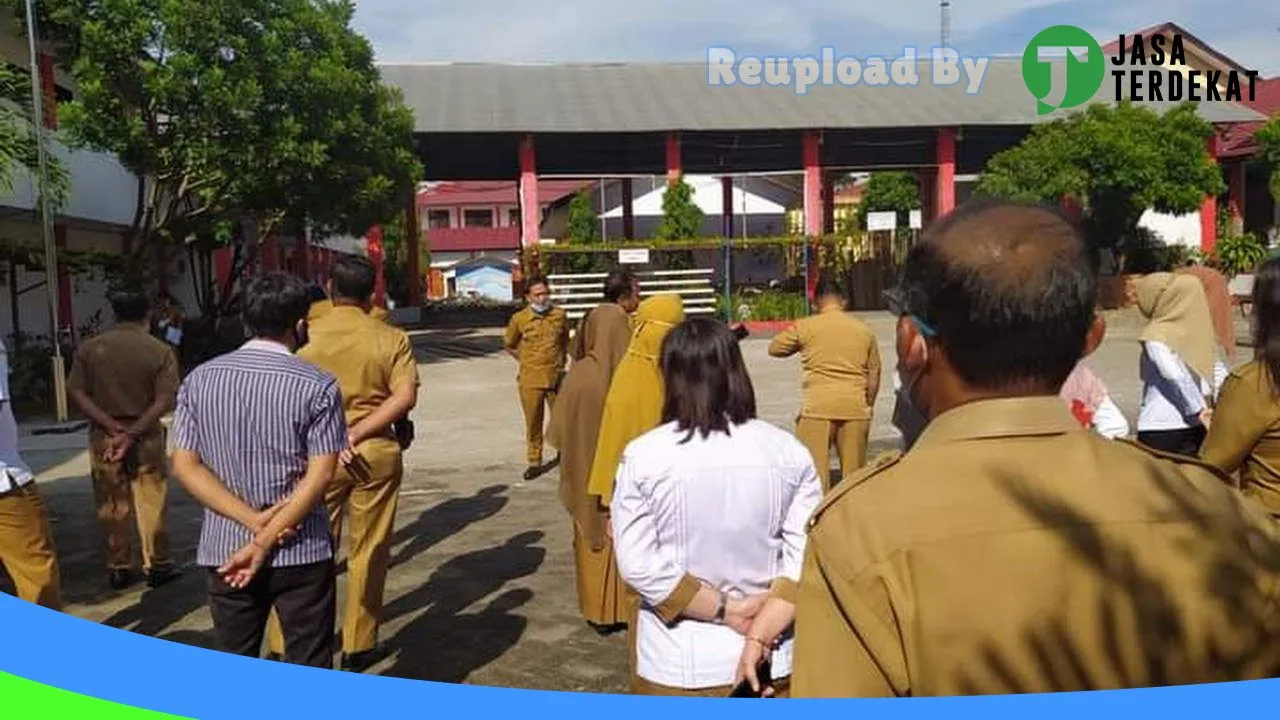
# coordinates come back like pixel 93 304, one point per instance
pixel 305 599
pixel 1182 442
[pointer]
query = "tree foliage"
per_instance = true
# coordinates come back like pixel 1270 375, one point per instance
pixel 681 217
pixel 1116 161
pixel 18 139
pixel 895 190
pixel 584 225
pixel 236 117
pixel 1268 137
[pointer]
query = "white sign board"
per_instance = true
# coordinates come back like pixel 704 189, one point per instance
pixel 916 220
pixel 882 221
pixel 634 256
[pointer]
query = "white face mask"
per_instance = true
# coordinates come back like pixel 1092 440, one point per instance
pixel 907 415
pixel 541 307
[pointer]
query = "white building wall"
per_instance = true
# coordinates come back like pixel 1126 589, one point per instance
pixel 1174 229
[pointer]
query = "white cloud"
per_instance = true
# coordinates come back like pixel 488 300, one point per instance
pixel 548 30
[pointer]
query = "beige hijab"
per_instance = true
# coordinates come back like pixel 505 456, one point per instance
pixel 1178 315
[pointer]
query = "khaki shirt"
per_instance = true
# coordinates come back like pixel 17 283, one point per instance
pixel 369 358
pixel 840 357
pixel 1244 434
pixel 1012 551
pixel 123 370
pixel 541 342
pixel 320 308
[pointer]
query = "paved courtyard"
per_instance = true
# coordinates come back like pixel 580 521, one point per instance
pixel 481 589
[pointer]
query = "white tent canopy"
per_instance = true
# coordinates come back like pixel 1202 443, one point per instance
pixel 708 195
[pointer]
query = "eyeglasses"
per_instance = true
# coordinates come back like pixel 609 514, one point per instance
pixel 896 299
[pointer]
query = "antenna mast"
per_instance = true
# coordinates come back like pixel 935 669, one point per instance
pixel 946 23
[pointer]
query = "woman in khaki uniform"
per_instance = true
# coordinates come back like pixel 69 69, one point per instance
pixel 596 350
pixel 1244 434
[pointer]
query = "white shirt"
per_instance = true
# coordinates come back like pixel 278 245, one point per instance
pixel 1173 396
pixel 1109 422
pixel 729 510
pixel 14 473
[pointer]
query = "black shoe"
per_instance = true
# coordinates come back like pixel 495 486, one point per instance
pixel 607 630
pixel 161 576
pixel 120 579
pixel 360 661
pixel 532 472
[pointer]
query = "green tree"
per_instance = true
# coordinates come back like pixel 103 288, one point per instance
pixel 584 225
pixel 681 217
pixel 237 118
pixel 891 190
pixel 1117 162
pixel 1268 137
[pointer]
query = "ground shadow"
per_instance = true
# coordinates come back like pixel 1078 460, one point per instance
pixel 158 609
pixel 446 643
pixel 1226 629
pixel 444 520
pixel 444 345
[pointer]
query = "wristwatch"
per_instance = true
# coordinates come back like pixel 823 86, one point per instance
pixel 719 618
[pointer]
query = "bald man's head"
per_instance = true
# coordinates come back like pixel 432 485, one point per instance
pixel 1008 291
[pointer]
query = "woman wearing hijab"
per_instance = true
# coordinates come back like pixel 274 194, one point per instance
pixel 1245 437
pixel 1218 294
pixel 596 350
pixel 633 406
pixel 1177 363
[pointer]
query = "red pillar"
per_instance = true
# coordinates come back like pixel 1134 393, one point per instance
pixel 811 150
pixel 530 209
pixel 675 168
pixel 628 212
pixel 1070 207
pixel 270 254
pixel 944 195
pixel 1235 196
pixel 726 187
pixel 222 266
pixel 1209 207
pixel 373 245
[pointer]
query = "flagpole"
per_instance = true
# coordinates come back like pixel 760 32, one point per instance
pixel 46 218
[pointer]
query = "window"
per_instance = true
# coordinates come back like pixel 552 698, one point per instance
pixel 513 217
pixel 438 219
pixel 477 218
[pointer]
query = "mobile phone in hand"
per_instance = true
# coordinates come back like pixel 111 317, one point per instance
pixel 763 674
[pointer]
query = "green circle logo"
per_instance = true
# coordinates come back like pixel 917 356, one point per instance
pixel 1084 63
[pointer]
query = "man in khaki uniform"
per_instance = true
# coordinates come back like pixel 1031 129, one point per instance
pixel 537 337
pixel 1011 550
pixel 124 381
pixel 378 375
pixel 841 379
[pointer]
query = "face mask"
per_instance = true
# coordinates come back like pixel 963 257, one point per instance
pixel 908 418
pixel 540 308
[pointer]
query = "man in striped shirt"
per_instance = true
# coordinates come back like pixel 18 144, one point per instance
pixel 257 433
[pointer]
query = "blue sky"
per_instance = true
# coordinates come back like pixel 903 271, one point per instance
pixel 585 30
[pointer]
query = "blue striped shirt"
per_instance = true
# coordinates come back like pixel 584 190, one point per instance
pixel 255 416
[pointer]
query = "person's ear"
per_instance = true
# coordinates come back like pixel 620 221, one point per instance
pixel 913 348
pixel 1097 333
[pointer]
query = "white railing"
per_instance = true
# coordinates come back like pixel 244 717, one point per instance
pixel 578 293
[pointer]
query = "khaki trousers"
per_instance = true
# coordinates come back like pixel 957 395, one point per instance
pixel 364 496
pixel 534 402
pixel 134 485
pixel 849 437
pixel 26 547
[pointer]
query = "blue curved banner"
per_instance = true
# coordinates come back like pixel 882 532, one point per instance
pixel 95 661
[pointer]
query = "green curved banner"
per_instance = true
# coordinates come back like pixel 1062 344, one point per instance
pixel 24 699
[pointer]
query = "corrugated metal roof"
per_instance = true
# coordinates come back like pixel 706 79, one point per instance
pixel 656 97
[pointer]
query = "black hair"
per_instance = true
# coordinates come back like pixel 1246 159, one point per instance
pixel 316 293
pixel 1266 318
pixel 535 281
pixel 828 286
pixel 1008 291
pixel 129 306
pixel 352 277
pixel 706 384
pixel 274 303
pixel 617 285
